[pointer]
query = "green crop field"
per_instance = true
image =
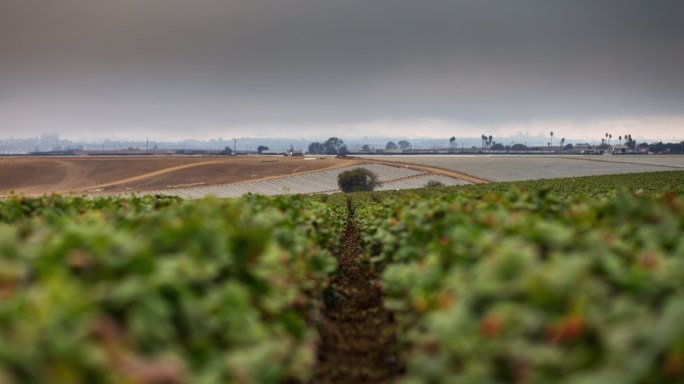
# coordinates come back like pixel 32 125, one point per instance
pixel 569 280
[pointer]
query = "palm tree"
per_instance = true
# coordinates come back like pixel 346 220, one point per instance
pixel 562 142
pixel 484 138
pixel 551 134
pixel 620 138
pixel 451 141
pixel 490 141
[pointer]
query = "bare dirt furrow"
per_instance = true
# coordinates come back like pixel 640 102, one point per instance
pixel 357 332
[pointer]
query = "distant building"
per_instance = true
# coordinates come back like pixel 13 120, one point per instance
pixel 619 149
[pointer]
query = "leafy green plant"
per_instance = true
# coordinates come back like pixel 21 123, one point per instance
pixel 110 290
pixel 530 286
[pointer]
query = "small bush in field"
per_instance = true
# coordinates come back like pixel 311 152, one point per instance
pixel 357 180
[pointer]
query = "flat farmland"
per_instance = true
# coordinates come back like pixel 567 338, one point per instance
pixel 518 168
pixel 668 161
pixel 324 181
pixel 199 176
pixel 42 175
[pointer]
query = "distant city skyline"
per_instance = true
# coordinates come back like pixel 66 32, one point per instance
pixel 646 129
pixel 306 69
pixel 52 141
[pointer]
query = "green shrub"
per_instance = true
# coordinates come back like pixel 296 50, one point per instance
pixel 357 180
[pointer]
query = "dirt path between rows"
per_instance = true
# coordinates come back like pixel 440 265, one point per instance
pixel 357 332
pixel 432 170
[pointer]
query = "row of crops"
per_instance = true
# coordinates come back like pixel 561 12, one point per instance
pixel 157 290
pixel 535 284
pixel 572 280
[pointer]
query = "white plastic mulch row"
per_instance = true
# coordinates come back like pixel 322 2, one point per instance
pixel 315 182
pixel 420 182
pixel 669 161
pixel 516 168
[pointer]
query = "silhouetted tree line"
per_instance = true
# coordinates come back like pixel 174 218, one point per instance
pixel 661 147
pixel 335 146
pixel 332 146
pixel 403 144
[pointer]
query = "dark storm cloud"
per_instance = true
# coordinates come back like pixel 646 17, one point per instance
pixel 87 64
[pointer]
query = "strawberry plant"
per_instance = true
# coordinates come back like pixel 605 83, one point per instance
pixel 533 286
pixel 160 290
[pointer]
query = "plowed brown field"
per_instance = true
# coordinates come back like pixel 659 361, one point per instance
pixel 40 175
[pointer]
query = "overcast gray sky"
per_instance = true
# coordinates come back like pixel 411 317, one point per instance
pixel 175 69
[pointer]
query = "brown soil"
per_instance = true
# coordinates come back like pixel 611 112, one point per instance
pixel 42 175
pixel 357 333
pixel 39 175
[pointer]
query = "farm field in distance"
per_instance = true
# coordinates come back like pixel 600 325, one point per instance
pixel 521 167
pixel 45 175
pixel 197 177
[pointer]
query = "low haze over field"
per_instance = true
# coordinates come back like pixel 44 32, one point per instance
pixel 176 69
